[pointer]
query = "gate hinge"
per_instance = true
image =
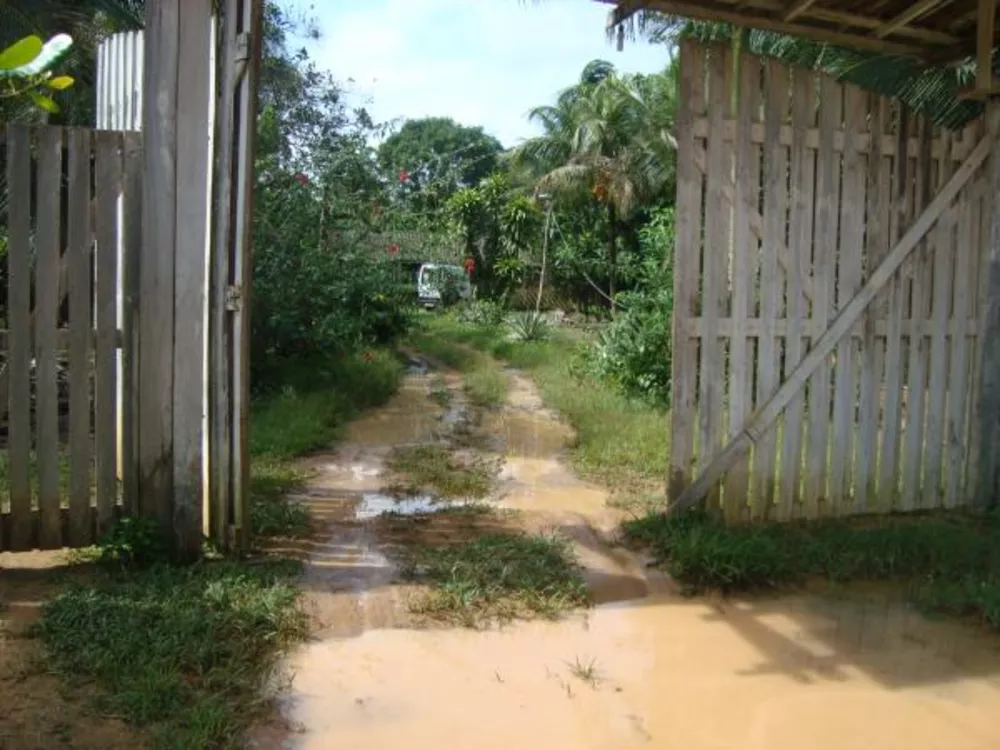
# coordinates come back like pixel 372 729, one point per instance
pixel 234 298
pixel 243 47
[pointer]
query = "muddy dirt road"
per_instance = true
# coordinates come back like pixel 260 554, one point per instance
pixel 644 668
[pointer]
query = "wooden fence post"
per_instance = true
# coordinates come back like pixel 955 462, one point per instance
pixel 172 268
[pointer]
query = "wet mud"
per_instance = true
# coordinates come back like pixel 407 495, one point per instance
pixel 644 668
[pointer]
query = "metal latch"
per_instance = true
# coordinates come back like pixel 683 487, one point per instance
pixel 234 298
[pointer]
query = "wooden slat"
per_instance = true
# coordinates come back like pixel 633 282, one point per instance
pixel 824 276
pixel 803 175
pixel 941 302
pixel 956 431
pixel 849 278
pixel 892 413
pixel 251 24
pixel 19 355
pixel 48 214
pixel 985 44
pixel 756 327
pixel 78 253
pixel 775 217
pixel 872 348
pixel 687 260
pixel 192 158
pixel 985 445
pixel 107 148
pixel 711 401
pixel 912 475
pixel 744 255
pixel 156 267
pixel 765 415
pixel 129 273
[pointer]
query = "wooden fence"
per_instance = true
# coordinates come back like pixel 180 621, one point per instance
pixel 796 194
pixel 71 234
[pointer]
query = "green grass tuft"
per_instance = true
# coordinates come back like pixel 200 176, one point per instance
pixel 950 562
pixel 182 653
pixel 498 577
pixel 435 469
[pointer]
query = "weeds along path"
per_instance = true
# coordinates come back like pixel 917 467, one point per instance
pixel 437 512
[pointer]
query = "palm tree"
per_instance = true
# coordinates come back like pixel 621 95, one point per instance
pixel 609 139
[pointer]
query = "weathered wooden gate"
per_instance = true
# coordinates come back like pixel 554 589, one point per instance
pixel 73 200
pixel 829 296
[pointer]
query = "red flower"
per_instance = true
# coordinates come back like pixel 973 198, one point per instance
pixel 403 175
pixel 394 249
pixel 368 356
pixel 302 179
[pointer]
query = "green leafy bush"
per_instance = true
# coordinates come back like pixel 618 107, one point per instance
pixel 529 326
pixel 634 350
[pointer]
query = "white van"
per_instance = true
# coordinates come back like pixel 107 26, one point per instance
pixel 431 280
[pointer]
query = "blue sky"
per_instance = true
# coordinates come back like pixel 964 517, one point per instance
pixel 481 62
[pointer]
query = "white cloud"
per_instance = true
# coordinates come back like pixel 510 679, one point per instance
pixel 481 62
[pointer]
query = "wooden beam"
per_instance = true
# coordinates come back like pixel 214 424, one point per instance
pixel 985 33
pixel 915 11
pixel 715 12
pixel 797 8
pixel 772 408
pixel 988 407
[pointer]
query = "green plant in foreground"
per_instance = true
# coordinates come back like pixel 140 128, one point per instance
pixel 182 652
pixel 529 327
pixel 25 70
pixel 498 577
pixel 133 542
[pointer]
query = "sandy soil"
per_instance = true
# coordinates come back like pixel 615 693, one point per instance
pixel 37 711
pixel 645 668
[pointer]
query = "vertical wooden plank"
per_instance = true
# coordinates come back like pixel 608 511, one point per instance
pixel 19 353
pixel 220 331
pixel 775 217
pixel 912 476
pixel 107 149
pixel 872 348
pixel 744 253
pixel 189 277
pixel 852 209
pixel 80 281
pixel 48 213
pixel 892 413
pixel 987 486
pixel 129 273
pixel 251 20
pixel 963 311
pixel 941 302
pixel 803 174
pixel 156 267
pixel 717 222
pixel 824 273
pixel 687 259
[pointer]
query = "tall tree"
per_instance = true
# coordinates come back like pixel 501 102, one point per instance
pixel 436 156
pixel 607 139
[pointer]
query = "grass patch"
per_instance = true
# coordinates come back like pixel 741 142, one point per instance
pixel 496 578
pixel 484 380
pixel 621 443
pixel 299 419
pixel 182 653
pixel 951 563
pixel 436 469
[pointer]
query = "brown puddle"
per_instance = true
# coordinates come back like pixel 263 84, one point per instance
pixel 645 668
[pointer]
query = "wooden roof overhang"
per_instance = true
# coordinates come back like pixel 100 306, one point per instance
pixel 934 31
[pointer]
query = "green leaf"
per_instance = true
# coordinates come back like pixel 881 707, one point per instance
pixel 60 82
pixel 21 53
pixel 43 102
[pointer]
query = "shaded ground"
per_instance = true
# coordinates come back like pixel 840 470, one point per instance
pixel 39 712
pixel 644 668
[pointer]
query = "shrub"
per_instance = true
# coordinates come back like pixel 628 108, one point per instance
pixel 634 350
